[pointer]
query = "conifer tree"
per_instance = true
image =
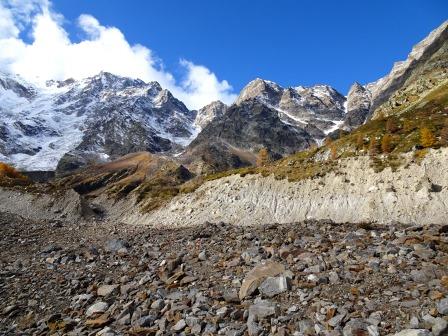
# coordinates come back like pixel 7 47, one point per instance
pixel 373 147
pixel 427 139
pixel 386 143
pixel 391 125
pixel 263 157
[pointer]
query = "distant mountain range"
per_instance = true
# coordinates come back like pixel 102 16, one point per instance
pixel 69 124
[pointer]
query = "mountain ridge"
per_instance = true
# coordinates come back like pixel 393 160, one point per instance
pixel 70 124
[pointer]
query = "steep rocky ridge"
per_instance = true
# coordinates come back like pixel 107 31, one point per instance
pixel 401 71
pixel 359 100
pixel 318 109
pixel 424 78
pixel 424 68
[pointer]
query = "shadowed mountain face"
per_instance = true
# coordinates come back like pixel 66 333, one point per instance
pixel 242 131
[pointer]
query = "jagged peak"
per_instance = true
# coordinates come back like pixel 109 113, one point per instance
pixel 356 86
pixel 214 104
pixel 260 89
pixel 434 35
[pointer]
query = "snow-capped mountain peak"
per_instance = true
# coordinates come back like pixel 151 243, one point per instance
pixel 319 109
pixel 93 118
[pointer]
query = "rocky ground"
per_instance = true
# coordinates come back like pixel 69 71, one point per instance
pixel 307 278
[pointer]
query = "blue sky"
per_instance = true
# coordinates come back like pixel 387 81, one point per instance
pixel 289 42
pixel 208 50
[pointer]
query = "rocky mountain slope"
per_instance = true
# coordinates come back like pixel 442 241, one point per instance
pixel 209 112
pixel 265 115
pixel 241 132
pixel 318 109
pixel 424 68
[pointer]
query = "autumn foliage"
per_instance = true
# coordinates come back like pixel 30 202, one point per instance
pixel 386 143
pixel 391 125
pixel 263 157
pixel 427 139
pixel 9 171
pixel 333 152
pixel 373 147
pixel 444 134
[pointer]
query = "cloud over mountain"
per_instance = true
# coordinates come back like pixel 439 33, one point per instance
pixel 50 53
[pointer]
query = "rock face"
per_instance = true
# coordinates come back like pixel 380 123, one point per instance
pixel 94 119
pixel 426 69
pixel 401 71
pixel 358 106
pixel 423 70
pixel 318 109
pixel 209 113
pixel 265 115
pixel 237 136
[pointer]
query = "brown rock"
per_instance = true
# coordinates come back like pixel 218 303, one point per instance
pixel 99 322
pixel 256 276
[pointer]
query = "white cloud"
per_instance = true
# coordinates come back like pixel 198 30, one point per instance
pixel 52 55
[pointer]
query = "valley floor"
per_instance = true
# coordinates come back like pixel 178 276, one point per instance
pixel 104 278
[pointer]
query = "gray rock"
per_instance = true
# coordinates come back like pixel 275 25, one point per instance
pixel 419 276
pixel 442 306
pixel 257 275
pixel 306 327
pixel 414 322
pixel 114 245
pixel 145 321
pixel 355 327
pixel 231 296
pixel 413 332
pixel 107 331
pixel 373 330
pixel 98 307
pixel 336 320
pixel 253 328
pixel 179 326
pixel 262 309
pixel 50 248
pixel 222 312
pixel 202 256
pixel 157 304
pixel 273 286
pixel 439 325
pixel 106 290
